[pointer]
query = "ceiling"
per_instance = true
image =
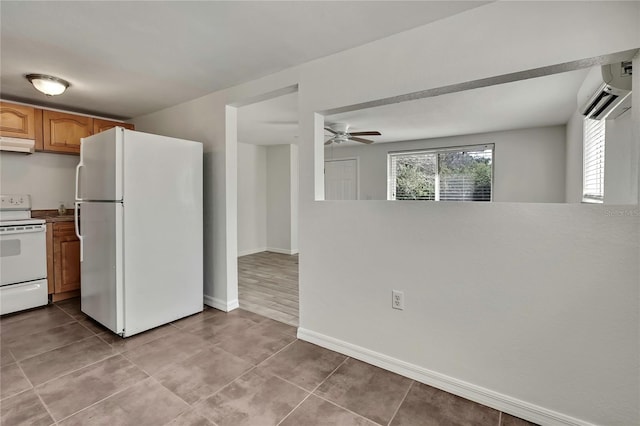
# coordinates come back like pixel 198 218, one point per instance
pixel 536 102
pixel 270 122
pixel 126 59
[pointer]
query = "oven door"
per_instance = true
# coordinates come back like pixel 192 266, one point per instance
pixel 23 253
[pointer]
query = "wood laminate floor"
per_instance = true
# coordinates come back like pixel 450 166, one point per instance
pixel 268 285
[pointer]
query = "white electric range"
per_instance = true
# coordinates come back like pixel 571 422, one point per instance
pixel 23 256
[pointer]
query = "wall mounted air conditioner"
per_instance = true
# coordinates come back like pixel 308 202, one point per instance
pixel 612 94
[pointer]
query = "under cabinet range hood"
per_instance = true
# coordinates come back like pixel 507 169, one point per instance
pixel 25 146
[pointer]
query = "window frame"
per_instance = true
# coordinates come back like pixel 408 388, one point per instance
pixel 437 151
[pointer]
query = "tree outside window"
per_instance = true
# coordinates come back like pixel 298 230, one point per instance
pixel 460 174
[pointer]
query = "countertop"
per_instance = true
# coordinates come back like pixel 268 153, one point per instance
pixel 52 216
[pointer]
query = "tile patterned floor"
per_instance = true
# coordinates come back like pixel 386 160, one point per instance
pixel 213 368
pixel 268 285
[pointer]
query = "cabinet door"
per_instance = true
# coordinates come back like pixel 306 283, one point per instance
pixel 17 121
pixel 62 131
pixel 100 125
pixel 66 251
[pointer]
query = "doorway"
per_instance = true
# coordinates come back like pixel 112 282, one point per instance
pixel 268 207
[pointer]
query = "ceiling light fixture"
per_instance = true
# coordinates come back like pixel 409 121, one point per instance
pixel 47 84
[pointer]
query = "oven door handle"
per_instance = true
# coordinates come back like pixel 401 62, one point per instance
pixel 76 222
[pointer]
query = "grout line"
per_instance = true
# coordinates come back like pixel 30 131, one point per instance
pixel 330 374
pixel 312 393
pixel 71 316
pixel 25 376
pixel 172 393
pixel 275 353
pixel 253 367
pixel 346 409
pixel 33 388
pixel 103 399
pixel 500 419
pixel 401 402
pixel 52 349
pixel 220 390
pixel 75 370
pixel 294 408
pixel 91 331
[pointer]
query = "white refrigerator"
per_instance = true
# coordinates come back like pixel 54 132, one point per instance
pixel 138 216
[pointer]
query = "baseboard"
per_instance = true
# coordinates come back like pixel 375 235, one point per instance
pixel 247 252
pixel 463 389
pixel 281 251
pixel 220 304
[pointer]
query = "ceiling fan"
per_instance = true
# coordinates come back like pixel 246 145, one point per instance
pixel 341 134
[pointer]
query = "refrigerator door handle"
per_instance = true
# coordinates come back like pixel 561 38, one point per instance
pixel 78 180
pixel 76 217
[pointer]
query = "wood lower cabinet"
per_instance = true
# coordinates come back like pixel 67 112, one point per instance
pixel 17 121
pixel 100 125
pixel 64 260
pixel 62 132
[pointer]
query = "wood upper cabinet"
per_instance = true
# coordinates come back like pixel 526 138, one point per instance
pixel 100 125
pixel 17 121
pixel 53 131
pixel 62 132
pixel 66 258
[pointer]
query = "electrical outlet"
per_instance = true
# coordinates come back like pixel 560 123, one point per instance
pixel 397 299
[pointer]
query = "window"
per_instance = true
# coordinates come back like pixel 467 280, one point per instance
pixel 447 174
pixel 593 161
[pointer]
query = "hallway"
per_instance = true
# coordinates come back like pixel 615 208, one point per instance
pixel 268 285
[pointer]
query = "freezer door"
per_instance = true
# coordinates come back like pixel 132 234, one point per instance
pixel 101 266
pixel 99 172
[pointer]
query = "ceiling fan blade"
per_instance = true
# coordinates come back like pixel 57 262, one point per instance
pixel 331 130
pixel 361 140
pixel 374 133
pixel 329 142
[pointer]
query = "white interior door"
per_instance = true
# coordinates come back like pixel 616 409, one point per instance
pixel 341 179
pixel 101 266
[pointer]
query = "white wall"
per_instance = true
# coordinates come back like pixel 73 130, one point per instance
pixel 621 165
pixel 573 183
pixel 280 194
pixel 48 178
pixel 294 198
pixel 252 198
pixel 531 308
pixel 529 164
pixel 267 199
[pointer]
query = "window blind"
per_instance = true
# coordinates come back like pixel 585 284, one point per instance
pixel 593 160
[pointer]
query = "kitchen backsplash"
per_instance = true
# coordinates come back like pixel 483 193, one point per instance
pixel 48 178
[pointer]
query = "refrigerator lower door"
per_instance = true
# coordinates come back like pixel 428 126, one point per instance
pixel 101 229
